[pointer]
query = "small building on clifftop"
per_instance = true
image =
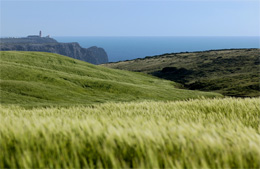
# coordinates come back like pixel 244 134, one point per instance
pixel 35 36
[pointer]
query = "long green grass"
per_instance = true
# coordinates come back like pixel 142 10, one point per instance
pixel 43 79
pixel 202 133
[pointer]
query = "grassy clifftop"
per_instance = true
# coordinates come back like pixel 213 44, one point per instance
pixel 37 78
pixel 230 72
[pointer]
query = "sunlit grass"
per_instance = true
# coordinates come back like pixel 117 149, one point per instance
pixel 44 79
pixel 203 133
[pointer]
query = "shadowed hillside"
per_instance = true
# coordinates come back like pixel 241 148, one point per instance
pixel 37 78
pixel 232 72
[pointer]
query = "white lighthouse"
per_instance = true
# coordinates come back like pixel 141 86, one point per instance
pixel 40 34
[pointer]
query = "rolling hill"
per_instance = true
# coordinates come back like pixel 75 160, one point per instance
pixel 232 72
pixel 35 128
pixel 44 79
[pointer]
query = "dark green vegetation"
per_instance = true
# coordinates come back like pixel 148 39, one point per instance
pixel 233 72
pixel 37 78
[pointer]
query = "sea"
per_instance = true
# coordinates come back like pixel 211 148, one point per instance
pixel 127 48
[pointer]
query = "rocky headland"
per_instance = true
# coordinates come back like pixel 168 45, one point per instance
pixel 94 55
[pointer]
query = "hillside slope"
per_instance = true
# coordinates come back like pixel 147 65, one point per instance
pixel 37 78
pixel 232 72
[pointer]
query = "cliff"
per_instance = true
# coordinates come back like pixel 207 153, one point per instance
pixel 92 55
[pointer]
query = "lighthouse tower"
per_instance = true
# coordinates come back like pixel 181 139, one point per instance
pixel 40 34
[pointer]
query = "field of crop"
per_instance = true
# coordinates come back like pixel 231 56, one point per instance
pixel 200 133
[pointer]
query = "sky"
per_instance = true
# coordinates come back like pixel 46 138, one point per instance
pixel 130 18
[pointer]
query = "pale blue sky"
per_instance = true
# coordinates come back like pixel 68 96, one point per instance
pixel 130 18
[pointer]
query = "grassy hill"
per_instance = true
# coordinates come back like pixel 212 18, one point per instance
pixel 37 78
pixel 150 133
pixel 230 72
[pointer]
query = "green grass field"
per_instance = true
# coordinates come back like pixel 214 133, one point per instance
pixel 231 72
pixel 201 133
pixel 58 112
pixel 43 79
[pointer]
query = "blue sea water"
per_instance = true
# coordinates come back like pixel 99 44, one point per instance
pixel 127 48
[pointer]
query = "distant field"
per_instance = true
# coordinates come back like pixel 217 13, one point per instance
pixel 202 133
pixel 45 79
pixel 233 72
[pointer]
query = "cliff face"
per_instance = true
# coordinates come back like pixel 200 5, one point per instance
pixel 92 55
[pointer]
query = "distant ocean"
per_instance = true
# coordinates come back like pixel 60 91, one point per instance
pixel 127 48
